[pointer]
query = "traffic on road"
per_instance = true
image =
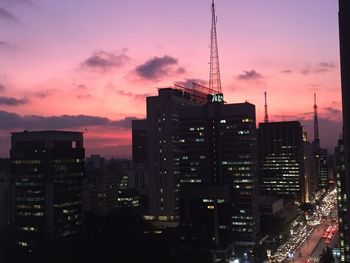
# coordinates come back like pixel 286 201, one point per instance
pixel 320 227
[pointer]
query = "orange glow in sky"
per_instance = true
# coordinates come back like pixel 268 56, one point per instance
pixel 82 64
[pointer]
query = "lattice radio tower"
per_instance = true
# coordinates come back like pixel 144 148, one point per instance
pixel 316 132
pixel 214 75
pixel 266 117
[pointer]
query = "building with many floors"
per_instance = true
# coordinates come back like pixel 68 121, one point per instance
pixel 47 169
pixel 344 213
pixel 281 160
pixel 217 149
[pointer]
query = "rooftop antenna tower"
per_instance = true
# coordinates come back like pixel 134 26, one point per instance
pixel 266 117
pixel 214 75
pixel 316 133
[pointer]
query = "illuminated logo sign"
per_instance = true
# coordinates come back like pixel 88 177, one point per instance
pixel 217 97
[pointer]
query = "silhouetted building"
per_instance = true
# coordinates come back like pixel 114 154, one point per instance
pixel 100 187
pixel 162 146
pixel 128 194
pixel 205 215
pixel 4 192
pixel 47 168
pixel 139 142
pixel 139 157
pixel 281 160
pixel 202 167
pixel 344 213
pixel 331 171
pixel 339 156
pixel 310 171
pixel 109 185
pixel 217 148
pixel 322 167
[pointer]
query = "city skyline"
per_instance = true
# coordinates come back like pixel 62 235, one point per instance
pixel 103 60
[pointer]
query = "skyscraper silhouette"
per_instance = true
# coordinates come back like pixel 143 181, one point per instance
pixel 281 154
pixel 46 172
pixel 344 212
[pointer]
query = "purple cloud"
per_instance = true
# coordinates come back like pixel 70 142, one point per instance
pixel 123 123
pixel 250 75
pixel 11 120
pixel 332 111
pixel 44 93
pixel 188 82
pixel 9 101
pixel 6 45
pixel 328 65
pixel 105 61
pixel 321 67
pixel 159 67
pixel 6 15
pixel 132 95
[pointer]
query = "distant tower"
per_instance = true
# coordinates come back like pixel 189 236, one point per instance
pixel 214 76
pixel 266 117
pixel 316 133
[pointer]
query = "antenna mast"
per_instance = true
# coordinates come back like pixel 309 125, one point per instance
pixel 266 117
pixel 316 133
pixel 214 76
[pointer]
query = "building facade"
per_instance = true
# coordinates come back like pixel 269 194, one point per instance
pixel 322 167
pixel 281 160
pixel 201 143
pixel 109 185
pixel 340 183
pixel 139 159
pixel 162 146
pixel 100 191
pixel 310 167
pixel 47 168
pixel 344 33
pixel 139 142
pixel 206 216
pixel 217 147
pixel 4 192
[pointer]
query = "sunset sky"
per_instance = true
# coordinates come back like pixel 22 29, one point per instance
pixel 76 64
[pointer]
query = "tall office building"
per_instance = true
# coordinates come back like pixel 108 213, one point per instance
pixel 202 164
pixel 100 187
pixel 281 160
pixel 310 172
pixel 139 158
pixel 162 146
pixel 206 218
pixel 340 181
pixel 218 148
pixel 109 185
pixel 139 142
pixel 47 168
pixel 322 167
pixel 4 192
pixel 344 32
pixel 320 154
